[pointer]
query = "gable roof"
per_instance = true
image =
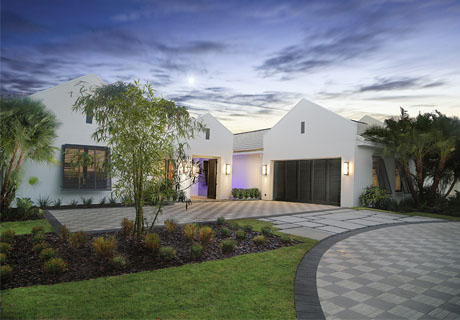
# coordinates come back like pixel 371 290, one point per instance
pixel 89 79
pixel 249 141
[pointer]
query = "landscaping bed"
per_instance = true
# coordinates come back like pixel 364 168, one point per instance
pixel 82 263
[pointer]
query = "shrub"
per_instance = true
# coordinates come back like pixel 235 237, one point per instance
pixel 240 234
pixel 3 258
pixel 39 238
pixel 220 221
pixel 7 236
pixel 233 225
pixel 103 201
pixel 5 247
pixel 39 247
pixel 190 231
pixel 73 203
pixel 259 240
pixel 227 246
pixel 152 242
pixel 64 233
pixel 57 203
pixel 86 201
pixel 240 194
pixel 235 193
pixel 26 209
pixel 44 202
pixel 119 262
pixel 196 251
pixel 373 197
pixel 55 266
pixel 266 230
pixel 286 239
pixel 225 232
pixel 103 247
pixel 78 239
pixel 37 229
pixel 127 227
pixel 112 200
pixel 167 253
pixel 5 272
pixel 47 254
pixel 170 225
pixel 206 235
pixel 247 228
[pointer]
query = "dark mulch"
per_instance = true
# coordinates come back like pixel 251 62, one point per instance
pixel 82 264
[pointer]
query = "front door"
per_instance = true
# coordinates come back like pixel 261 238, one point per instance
pixel 212 178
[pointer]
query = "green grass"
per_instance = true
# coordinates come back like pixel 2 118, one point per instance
pixel 423 214
pixel 253 286
pixel 24 227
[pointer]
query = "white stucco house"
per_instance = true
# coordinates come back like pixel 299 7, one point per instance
pixel 311 155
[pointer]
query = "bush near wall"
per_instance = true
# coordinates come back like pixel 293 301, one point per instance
pixel 252 193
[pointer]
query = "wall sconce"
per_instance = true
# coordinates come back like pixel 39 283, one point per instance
pixel 264 170
pixel 346 168
pixel 227 169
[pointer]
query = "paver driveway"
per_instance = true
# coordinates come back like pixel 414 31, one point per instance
pixel 401 272
pixel 110 218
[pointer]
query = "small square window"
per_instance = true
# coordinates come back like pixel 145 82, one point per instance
pixel 208 133
pixel 302 127
pixel 89 119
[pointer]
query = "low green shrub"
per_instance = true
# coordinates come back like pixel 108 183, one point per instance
pixel 220 221
pixel 206 235
pixel 374 197
pixel 57 203
pixel 248 228
pixel 39 237
pixel 127 227
pixel 44 202
pixel 5 248
pixel 190 231
pixel 286 239
pixel 119 262
pixel 112 200
pixel 266 230
pixel 5 272
pixel 167 253
pixel 152 242
pixel 259 240
pixel 225 232
pixel 37 229
pixel 26 208
pixel 196 251
pixel 7 236
pixel 78 239
pixel 104 248
pixel 170 225
pixel 233 225
pixel 47 254
pixel 55 266
pixel 39 247
pixel 3 258
pixel 240 234
pixel 64 233
pixel 73 203
pixel 103 201
pixel 86 201
pixel 227 246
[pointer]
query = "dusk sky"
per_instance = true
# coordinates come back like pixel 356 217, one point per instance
pixel 246 62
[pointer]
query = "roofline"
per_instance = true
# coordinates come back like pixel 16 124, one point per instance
pixel 251 131
pixel 62 84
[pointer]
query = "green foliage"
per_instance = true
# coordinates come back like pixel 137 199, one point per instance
pixel 225 232
pixel 8 236
pixel 64 233
pixel 286 239
pixel 167 253
pixel 112 200
pixel 259 240
pixel 228 246
pixel 119 262
pixel 240 234
pixel 248 228
pixel 103 201
pixel 38 237
pixel 170 225
pixel 127 227
pixel 245 193
pixel 44 202
pixel 152 242
pixel 196 251
pixel 233 225
pixel 103 248
pixel 55 266
pixel 73 203
pixel 5 272
pixel 87 201
pixel 78 239
pixel 374 197
pixel 37 229
pixel 57 203
pixel 33 180
pixel 206 235
pixel 26 209
pixel 39 247
pixel 47 254
pixel 267 230
pixel 3 258
pixel 5 248
pixel 191 231
pixel 220 221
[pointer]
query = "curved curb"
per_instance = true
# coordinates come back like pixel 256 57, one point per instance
pixel 306 300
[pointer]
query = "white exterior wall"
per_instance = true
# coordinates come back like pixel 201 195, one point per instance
pixel 327 135
pixel 220 147
pixel 73 130
pixel 247 171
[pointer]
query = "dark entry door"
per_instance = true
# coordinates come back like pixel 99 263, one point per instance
pixel 212 178
pixel 312 181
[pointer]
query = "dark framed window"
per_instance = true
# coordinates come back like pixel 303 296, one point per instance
pixel 400 180
pixel 379 174
pixel 89 119
pixel 208 133
pixel 302 127
pixel 85 167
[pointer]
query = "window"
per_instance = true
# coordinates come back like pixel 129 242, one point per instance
pixel 84 167
pixel 302 127
pixel 400 180
pixel 208 133
pixel 89 119
pixel 379 174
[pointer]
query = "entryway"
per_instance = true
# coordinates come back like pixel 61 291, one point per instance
pixel 206 184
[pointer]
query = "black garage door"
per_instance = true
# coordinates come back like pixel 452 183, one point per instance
pixel 314 181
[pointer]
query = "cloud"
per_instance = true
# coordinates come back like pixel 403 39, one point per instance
pixel 400 84
pixel 12 22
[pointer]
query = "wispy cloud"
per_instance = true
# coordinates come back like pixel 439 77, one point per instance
pixel 400 84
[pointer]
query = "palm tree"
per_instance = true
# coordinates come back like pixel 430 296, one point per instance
pixel 27 132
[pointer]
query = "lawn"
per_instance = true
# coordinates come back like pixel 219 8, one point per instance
pixel 253 286
pixel 24 227
pixel 423 214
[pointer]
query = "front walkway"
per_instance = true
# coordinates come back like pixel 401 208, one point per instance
pixel 99 219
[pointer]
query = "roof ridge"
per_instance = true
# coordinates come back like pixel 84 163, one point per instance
pixel 251 131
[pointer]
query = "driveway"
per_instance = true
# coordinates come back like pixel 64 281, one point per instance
pixel 98 219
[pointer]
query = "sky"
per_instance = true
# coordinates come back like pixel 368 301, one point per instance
pixel 245 62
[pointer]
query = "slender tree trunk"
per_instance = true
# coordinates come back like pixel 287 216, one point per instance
pixel 419 172
pixel 4 203
pixel 410 183
pixel 437 177
pixel 451 187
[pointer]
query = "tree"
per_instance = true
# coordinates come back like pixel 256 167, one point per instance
pixel 27 132
pixel 145 135
pixel 431 142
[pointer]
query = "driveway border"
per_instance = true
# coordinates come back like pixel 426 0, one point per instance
pixel 306 300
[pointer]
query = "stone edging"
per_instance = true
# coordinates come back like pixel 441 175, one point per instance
pixel 306 300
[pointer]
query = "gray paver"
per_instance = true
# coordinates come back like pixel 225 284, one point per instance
pixel 308 233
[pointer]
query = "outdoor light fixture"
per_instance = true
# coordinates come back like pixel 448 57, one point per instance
pixel 346 168
pixel 227 169
pixel 264 169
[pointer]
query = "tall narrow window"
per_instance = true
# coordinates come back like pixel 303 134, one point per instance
pixel 208 133
pixel 379 174
pixel 400 180
pixel 89 119
pixel 302 127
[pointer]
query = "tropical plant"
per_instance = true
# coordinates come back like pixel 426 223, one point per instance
pixel 141 130
pixel 44 201
pixel 86 201
pixel 206 235
pixel 127 227
pixel 78 239
pixel 170 225
pixel 374 197
pixel 191 230
pixel 112 200
pixel 103 201
pixel 28 131
pixel 57 203
pixel 152 242
pixel 103 247
pixel 73 203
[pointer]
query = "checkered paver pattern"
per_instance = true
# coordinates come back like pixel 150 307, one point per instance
pixel 320 225
pixel 110 218
pixel 401 272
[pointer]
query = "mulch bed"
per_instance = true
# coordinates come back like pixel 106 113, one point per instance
pixel 82 264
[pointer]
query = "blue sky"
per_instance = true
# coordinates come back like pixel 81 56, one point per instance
pixel 246 62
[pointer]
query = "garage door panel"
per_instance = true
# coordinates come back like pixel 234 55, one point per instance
pixel 291 176
pixel 319 181
pixel 334 181
pixel 305 180
pixel 279 183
